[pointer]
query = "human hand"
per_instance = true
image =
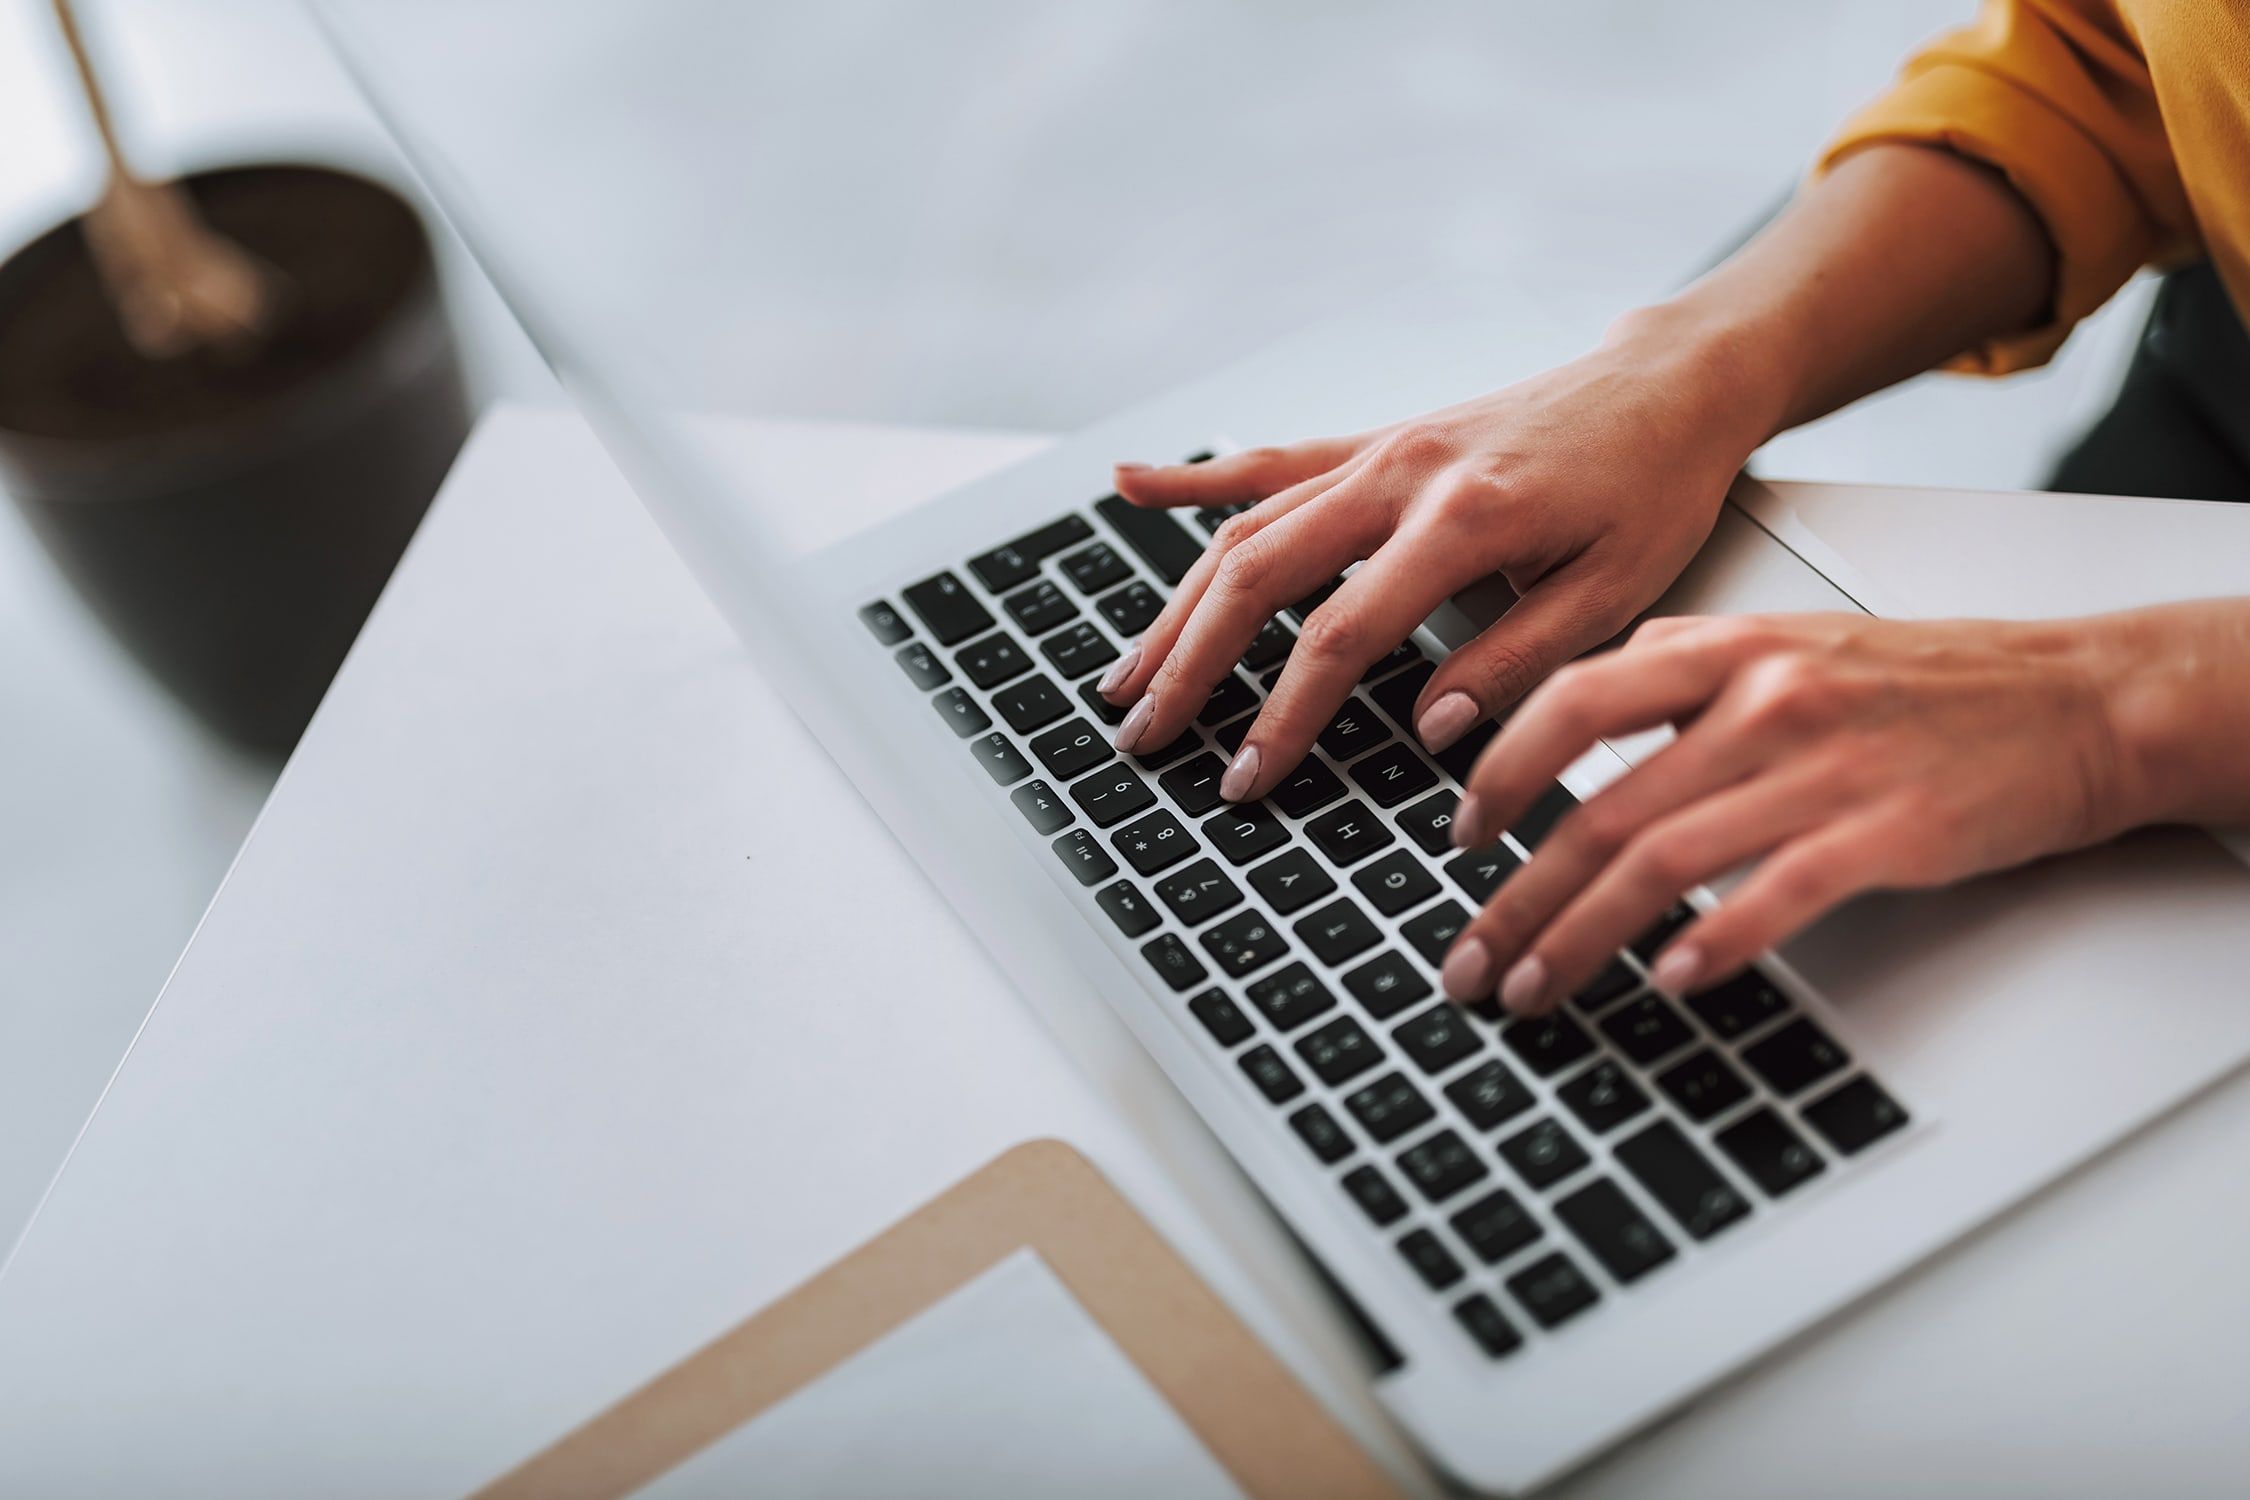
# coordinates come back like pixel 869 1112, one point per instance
pixel 1843 753
pixel 1588 488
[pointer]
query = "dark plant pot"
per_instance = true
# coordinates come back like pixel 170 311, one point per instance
pixel 233 521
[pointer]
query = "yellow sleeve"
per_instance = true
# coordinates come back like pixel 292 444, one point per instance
pixel 2054 95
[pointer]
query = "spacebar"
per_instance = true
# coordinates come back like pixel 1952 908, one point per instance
pixel 1161 541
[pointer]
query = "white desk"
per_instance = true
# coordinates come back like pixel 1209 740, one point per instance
pixel 398 1237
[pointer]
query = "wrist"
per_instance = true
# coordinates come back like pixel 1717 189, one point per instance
pixel 1744 383
pixel 2172 684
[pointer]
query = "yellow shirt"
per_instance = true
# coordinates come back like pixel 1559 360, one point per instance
pixel 2125 124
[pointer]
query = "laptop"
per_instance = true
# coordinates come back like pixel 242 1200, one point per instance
pixel 1552 1232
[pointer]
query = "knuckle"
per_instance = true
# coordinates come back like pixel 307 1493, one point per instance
pixel 1237 529
pixel 1332 633
pixel 1507 669
pixel 1790 690
pixel 1418 445
pixel 1661 862
pixel 1600 827
pixel 1244 569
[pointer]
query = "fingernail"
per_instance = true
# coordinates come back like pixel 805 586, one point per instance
pixel 1467 974
pixel 1242 771
pixel 1677 967
pixel 1447 720
pixel 1466 819
pixel 1525 985
pixel 1119 670
pixel 1132 468
pixel 1130 733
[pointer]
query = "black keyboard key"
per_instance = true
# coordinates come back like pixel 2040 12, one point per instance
pixel 1855 1116
pixel 1682 1182
pixel 1308 789
pixel 1489 1095
pixel 1030 704
pixel 1744 1003
pixel 1127 907
pixel 884 623
pixel 1270 678
pixel 1265 1069
pixel 1290 996
pixel 1353 731
pixel 1553 1290
pixel 1195 784
pixel 1543 1153
pixel 1389 1107
pixel 1373 1192
pixel 1314 600
pixel 1338 931
pixel 1769 1153
pixel 1339 1051
pixel 1244 831
pixel 1006 566
pixel 1460 758
pixel 1647 1029
pixel 1174 962
pixel 1270 646
pixel 1087 860
pixel 1404 654
pixel 1292 881
pixel 1430 1259
pixel 1040 608
pixel 1395 695
pixel 1796 1057
pixel 1616 980
pixel 1131 609
pixel 1244 943
pixel 1490 1327
pixel 1429 822
pixel 1230 736
pixel 1386 984
pixel 1092 569
pixel 1441 1166
pixel 1089 693
pixel 922 666
pixel 1433 931
pixel 947 609
pixel 1186 742
pixel 1212 517
pixel 1479 871
pixel 1111 795
pixel 1224 1019
pixel 1156 842
pixel 1496 1226
pixel 1613 1231
pixel 1071 748
pixel 1078 649
pixel 1703 1085
pixel 1547 1044
pixel 1001 760
pixel 1199 892
pixel 1168 548
pixel 1318 1129
pixel 1393 774
pixel 1348 834
pixel 1438 1038
pixel 1649 943
pixel 1603 1097
pixel 1533 827
pixel 1397 882
pixel 960 711
pixel 1230 698
pixel 1041 806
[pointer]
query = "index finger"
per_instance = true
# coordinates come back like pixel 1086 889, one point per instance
pixel 1233 478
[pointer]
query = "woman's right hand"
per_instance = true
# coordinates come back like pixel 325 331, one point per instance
pixel 1588 488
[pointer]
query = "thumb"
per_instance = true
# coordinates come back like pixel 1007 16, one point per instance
pixel 1562 616
pixel 1252 474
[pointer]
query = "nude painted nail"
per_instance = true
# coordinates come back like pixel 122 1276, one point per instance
pixel 1135 728
pixel 1467 974
pixel 1526 984
pixel 1466 818
pixel 1131 468
pixel 1677 967
pixel 1447 720
pixel 1242 773
pixel 1119 670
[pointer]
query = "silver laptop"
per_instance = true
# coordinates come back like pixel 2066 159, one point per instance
pixel 1552 1232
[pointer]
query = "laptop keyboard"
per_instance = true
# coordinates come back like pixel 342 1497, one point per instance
pixel 1525 1171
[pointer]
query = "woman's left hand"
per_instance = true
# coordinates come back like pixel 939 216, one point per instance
pixel 1843 753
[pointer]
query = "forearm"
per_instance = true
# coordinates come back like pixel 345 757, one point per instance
pixel 1898 259
pixel 2177 683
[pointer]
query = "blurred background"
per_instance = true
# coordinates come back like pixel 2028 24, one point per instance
pixel 1123 197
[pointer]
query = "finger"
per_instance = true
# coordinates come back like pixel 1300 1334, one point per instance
pixel 1377 607
pixel 1252 474
pixel 1799 883
pixel 1128 676
pixel 1562 615
pixel 1681 850
pixel 1282 563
